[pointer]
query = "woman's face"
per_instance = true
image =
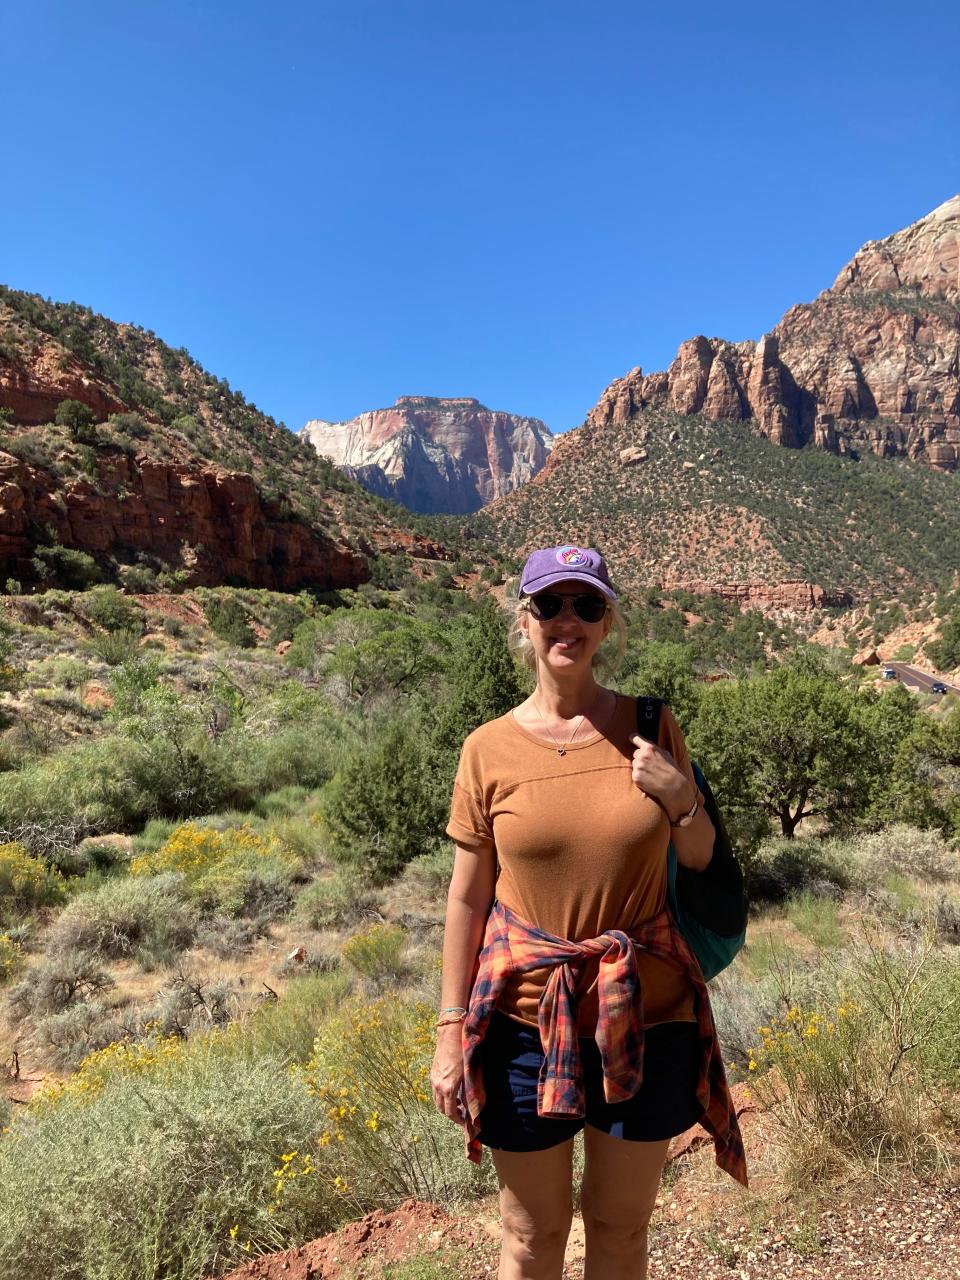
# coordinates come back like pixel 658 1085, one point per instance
pixel 566 642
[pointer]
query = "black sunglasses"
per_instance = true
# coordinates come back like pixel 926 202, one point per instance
pixel 548 604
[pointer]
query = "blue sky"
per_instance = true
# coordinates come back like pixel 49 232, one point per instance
pixel 335 203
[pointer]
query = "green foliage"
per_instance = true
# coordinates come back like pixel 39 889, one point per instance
pixel 944 652
pixel 204 1130
pixel 334 901
pixel 79 419
pixel 75 569
pixel 366 654
pixel 788 746
pixel 663 669
pixel 482 683
pixel 228 620
pixel 112 610
pixel 381 808
pixel 144 917
pixel 378 952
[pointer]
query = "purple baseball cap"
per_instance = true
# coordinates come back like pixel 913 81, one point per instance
pixel 565 564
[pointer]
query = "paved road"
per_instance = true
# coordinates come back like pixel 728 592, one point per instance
pixel 914 678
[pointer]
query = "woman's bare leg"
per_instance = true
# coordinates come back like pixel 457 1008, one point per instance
pixel 535 1209
pixel 620 1184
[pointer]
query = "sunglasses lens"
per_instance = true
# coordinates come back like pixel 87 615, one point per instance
pixel 589 608
pixel 545 605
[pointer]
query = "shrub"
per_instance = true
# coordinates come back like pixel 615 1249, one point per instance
pixel 11 958
pixel 115 648
pixel 59 981
pixel 76 569
pixel 25 881
pixel 144 917
pixel 382 1139
pixel 381 807
pixel 846 1084
pixel 816 918
pixel 67 1037
pixel 904 851
pixel 235 872
pixel 784 867
pixel 112 610
pixel 377 952
pixel 154 1161
pixel 334 901
pixel 228 620
pixel 79 419
pixel 431 872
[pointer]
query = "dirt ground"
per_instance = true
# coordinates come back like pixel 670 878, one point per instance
pixel 705 1228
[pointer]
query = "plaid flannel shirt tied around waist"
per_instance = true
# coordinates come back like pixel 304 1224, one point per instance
pixel 511 946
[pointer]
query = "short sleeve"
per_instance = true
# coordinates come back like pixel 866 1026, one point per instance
pixel 470 824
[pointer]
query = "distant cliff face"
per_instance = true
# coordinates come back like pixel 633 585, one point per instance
pixel 872 364
pixel 433 455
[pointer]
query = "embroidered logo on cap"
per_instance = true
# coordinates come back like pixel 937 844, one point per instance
pixel 572 556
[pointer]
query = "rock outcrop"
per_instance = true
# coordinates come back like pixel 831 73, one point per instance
pixel 213 523
pixel 434 454
pixel 872 364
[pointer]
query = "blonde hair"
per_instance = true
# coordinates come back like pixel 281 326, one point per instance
pixel 607 658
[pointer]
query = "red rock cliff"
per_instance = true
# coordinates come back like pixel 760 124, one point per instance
pixel 872 364
pixel 435 454
pixel 213 523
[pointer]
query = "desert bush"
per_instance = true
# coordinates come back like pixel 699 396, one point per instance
pixel 282 803
pixel 228 621
pixel 112 610
pixel 785 867
pixel 841 1067
pixel 227 937
pixel 154 1164
pixel 76 569
pixel 333 902
pixel 25 882
pixel 115 647
pixel 70 1035
pixel 191 1003
pixel 65 673
pixel 431 872
pixel 144 917
pixel 902 851
pixel 382 1139
pixel 381 808
pixel 11 958
pixel 57 982
pixel 377 952
pixel 233 871
pixel 815 916
pixel 740 1005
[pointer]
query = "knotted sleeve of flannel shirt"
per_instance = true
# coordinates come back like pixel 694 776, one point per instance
pixel 619 1027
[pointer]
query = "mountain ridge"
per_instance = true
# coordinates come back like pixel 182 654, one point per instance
pixel 435 453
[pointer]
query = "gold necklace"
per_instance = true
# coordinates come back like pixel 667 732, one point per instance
pixel 560 746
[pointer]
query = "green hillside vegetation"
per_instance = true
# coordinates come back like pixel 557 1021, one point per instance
pixel 178 412
pixel 742 510
pixel 222 873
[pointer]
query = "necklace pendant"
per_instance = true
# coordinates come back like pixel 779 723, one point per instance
pixel 561 751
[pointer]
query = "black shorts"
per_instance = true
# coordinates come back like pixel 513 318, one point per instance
pixel 665 1105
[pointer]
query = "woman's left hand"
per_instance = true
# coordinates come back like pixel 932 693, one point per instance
pixel 655 772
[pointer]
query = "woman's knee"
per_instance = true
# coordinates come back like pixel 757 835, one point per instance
pixel 535 1235
pixel 619 1229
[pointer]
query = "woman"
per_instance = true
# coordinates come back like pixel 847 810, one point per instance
pixel 569 1001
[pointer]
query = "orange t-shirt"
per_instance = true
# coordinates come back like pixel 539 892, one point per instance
pixel 580 849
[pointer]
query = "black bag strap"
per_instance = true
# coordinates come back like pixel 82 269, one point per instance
pixel 714 896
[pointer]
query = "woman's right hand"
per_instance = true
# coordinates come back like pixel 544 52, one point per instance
pixel 446 1074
